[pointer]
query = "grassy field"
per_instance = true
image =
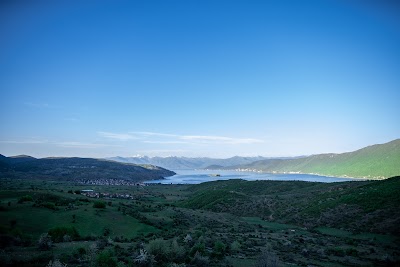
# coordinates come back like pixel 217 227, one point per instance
pixel 221 223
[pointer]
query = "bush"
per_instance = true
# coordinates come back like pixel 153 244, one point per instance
pixel 49 205
pixel 56 263
pixel 198 247
pixel 81 251
pixel 268 259
pixel 235 246
pixel 144 258
pixel 106 231
pixel 219 249
pixel 25 198
pixel 45 242
pixel 105 259
pixel 176 252
pixel 58 233
pixel 67 238
pixel 199 260
pixel 160 249
pixel 99 205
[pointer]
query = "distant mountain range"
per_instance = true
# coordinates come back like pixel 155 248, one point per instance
pixel 77 169
pixel 182 163
pixel 376 161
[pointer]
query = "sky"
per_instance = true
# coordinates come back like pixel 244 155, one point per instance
pixel 197 78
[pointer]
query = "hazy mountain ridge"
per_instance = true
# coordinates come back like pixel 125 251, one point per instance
pixel 186 162
pixel 77 168
pixel 376 161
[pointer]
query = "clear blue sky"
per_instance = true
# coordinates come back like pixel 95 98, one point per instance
pixel 197 78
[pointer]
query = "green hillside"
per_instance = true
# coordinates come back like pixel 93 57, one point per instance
pixel 377 161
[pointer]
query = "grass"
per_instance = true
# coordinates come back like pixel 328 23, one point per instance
pixel 269 225
pixel 88 220
pixel 384 239
pixel 334 232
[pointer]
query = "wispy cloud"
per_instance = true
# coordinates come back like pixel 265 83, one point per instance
pixel 154 134
pixel 117 136
pixel 38 105
pixel 164 142
pixel 24 141
pixel 220 139
pixel 71 119
pixel 165 138
pixel 71 144
pixel 82 145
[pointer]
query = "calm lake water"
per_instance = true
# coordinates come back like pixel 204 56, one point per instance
pixel 200 176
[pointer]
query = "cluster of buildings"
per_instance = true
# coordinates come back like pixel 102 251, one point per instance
pixel 92 194
pixel 110 182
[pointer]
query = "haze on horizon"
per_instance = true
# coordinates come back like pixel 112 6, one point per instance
pixel 197 78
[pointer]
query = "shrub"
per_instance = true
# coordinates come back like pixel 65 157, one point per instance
pixel 45 242
pixel 199 260
pixel 235 246
pixel 25 198
pixel 67 238
pixel 105 259
pixel 176 252
pixel 144 258
pixel 49 205
pixel 56 263
pixel 106 231
pixel 58 233
pixel 268 259
pixel 160 249
pixel 81 251
pixel 198 247
pixel 99 205
pixel 219 249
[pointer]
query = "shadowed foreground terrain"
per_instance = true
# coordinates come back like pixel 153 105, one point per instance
pixel 221 223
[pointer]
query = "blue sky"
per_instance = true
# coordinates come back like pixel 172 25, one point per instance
pixel 197 78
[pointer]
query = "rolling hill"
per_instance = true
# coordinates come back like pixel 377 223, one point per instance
pixel 77 168
pixel 358 206
pixel 373 162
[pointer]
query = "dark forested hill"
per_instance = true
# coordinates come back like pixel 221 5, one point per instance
pixel 77 168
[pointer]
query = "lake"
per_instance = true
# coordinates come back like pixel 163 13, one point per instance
pixel 201 176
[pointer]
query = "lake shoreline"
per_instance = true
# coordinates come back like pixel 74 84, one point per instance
pixel 197 176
